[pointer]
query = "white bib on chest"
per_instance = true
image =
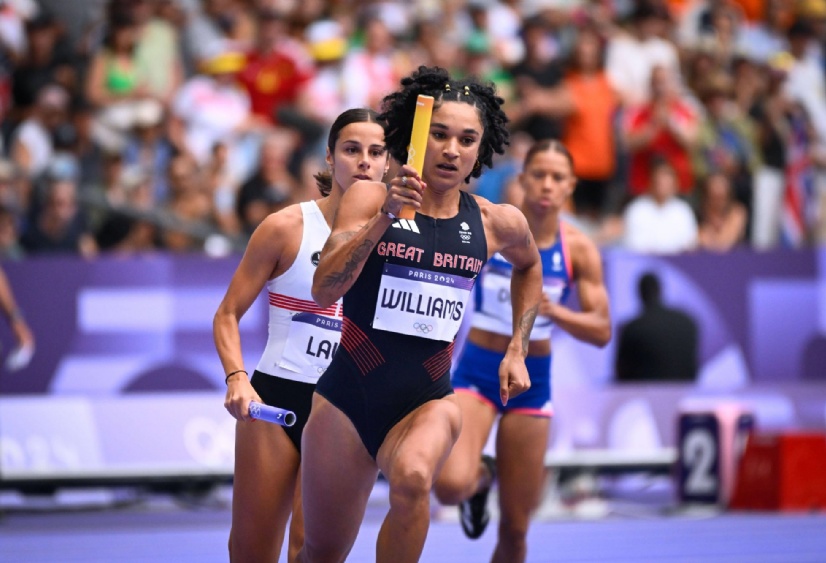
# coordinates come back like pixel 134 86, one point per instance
pixel 421 302
pixel 311 342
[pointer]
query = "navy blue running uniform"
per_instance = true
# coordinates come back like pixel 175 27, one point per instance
pixel 400 319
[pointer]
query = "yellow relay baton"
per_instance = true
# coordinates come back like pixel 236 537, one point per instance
pixel 418 142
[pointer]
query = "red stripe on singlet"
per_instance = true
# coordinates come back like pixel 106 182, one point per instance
pixel 302 305
pixel 439 364
pixel 364 353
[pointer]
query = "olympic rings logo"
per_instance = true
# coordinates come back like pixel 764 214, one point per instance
pixel 423 328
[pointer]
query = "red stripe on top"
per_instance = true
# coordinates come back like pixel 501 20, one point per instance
pixel 302 305
pixel 566 253
pixel 364 353
pixel 360 339
pixel 440 369
pixel 438 364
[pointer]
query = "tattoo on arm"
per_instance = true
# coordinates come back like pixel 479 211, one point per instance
pixel 340 238
pixel 358 255
pixel 525 326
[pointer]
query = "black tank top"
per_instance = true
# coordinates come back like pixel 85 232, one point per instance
pixel 400 319
pixel 409 300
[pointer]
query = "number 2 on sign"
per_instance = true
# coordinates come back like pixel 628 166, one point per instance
pixel 699 454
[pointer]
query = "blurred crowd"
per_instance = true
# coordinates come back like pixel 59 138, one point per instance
pixel 179 125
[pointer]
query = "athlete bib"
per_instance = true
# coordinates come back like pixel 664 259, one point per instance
pixel 496 297
pixel 421 302
pixel 311 342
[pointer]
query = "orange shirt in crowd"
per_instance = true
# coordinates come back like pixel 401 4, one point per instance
pixel 588 130
pixel 752 9
pixel 676 7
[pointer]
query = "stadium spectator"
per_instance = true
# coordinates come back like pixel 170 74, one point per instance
pixel 722 224
pixel 149 148
pixel 500 23
pixel 110 193
pixel 222 188
pixel 47 61
pixel 720 34
pixel 658 345
pixel 213 108
pixel 477 59
pixel 378 63
pixel 805 82
pixel 750 84
pixel 276 70
pixel 322 98
pixel 32 144
pixel 633 55
pixel 116 83
pixel 89 154
pixel 592 105
pixel 539 71
pixel 13 48
pixel 501 184
pixel 771 113
pixel 660 222
pixel 11 197
pixel 273 186
pixel 215 22
pixel 664 127
pixel 764 39
pixel 12 210
pixel 127 227
pixel 59 225
pixel 726 139
pixel 157 51
pixel 433 46
pixel 187 216
pixel 10 248
pixel 380 41
pixel 698 64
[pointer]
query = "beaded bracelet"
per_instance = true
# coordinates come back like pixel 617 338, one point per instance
pixel 230 374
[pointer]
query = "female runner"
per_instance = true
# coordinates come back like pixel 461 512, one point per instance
pixel 385 404
pixel 568 257
pixel 282 254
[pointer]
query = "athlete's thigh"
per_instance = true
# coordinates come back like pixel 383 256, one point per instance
pixel 422 439
pixel 521 442
pixel 266 468
pixel 337 475
pixel 477 420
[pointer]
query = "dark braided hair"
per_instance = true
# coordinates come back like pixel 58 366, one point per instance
pixel 324 179
pixel 398 109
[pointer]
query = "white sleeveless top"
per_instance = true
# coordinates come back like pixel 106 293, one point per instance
pixel 302 336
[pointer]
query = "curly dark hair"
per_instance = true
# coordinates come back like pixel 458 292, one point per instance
pixel 398 109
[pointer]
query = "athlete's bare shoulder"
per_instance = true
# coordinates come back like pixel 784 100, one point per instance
pixel 504 223
pixel 584 252
pixel 283 222
pixel 277 239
